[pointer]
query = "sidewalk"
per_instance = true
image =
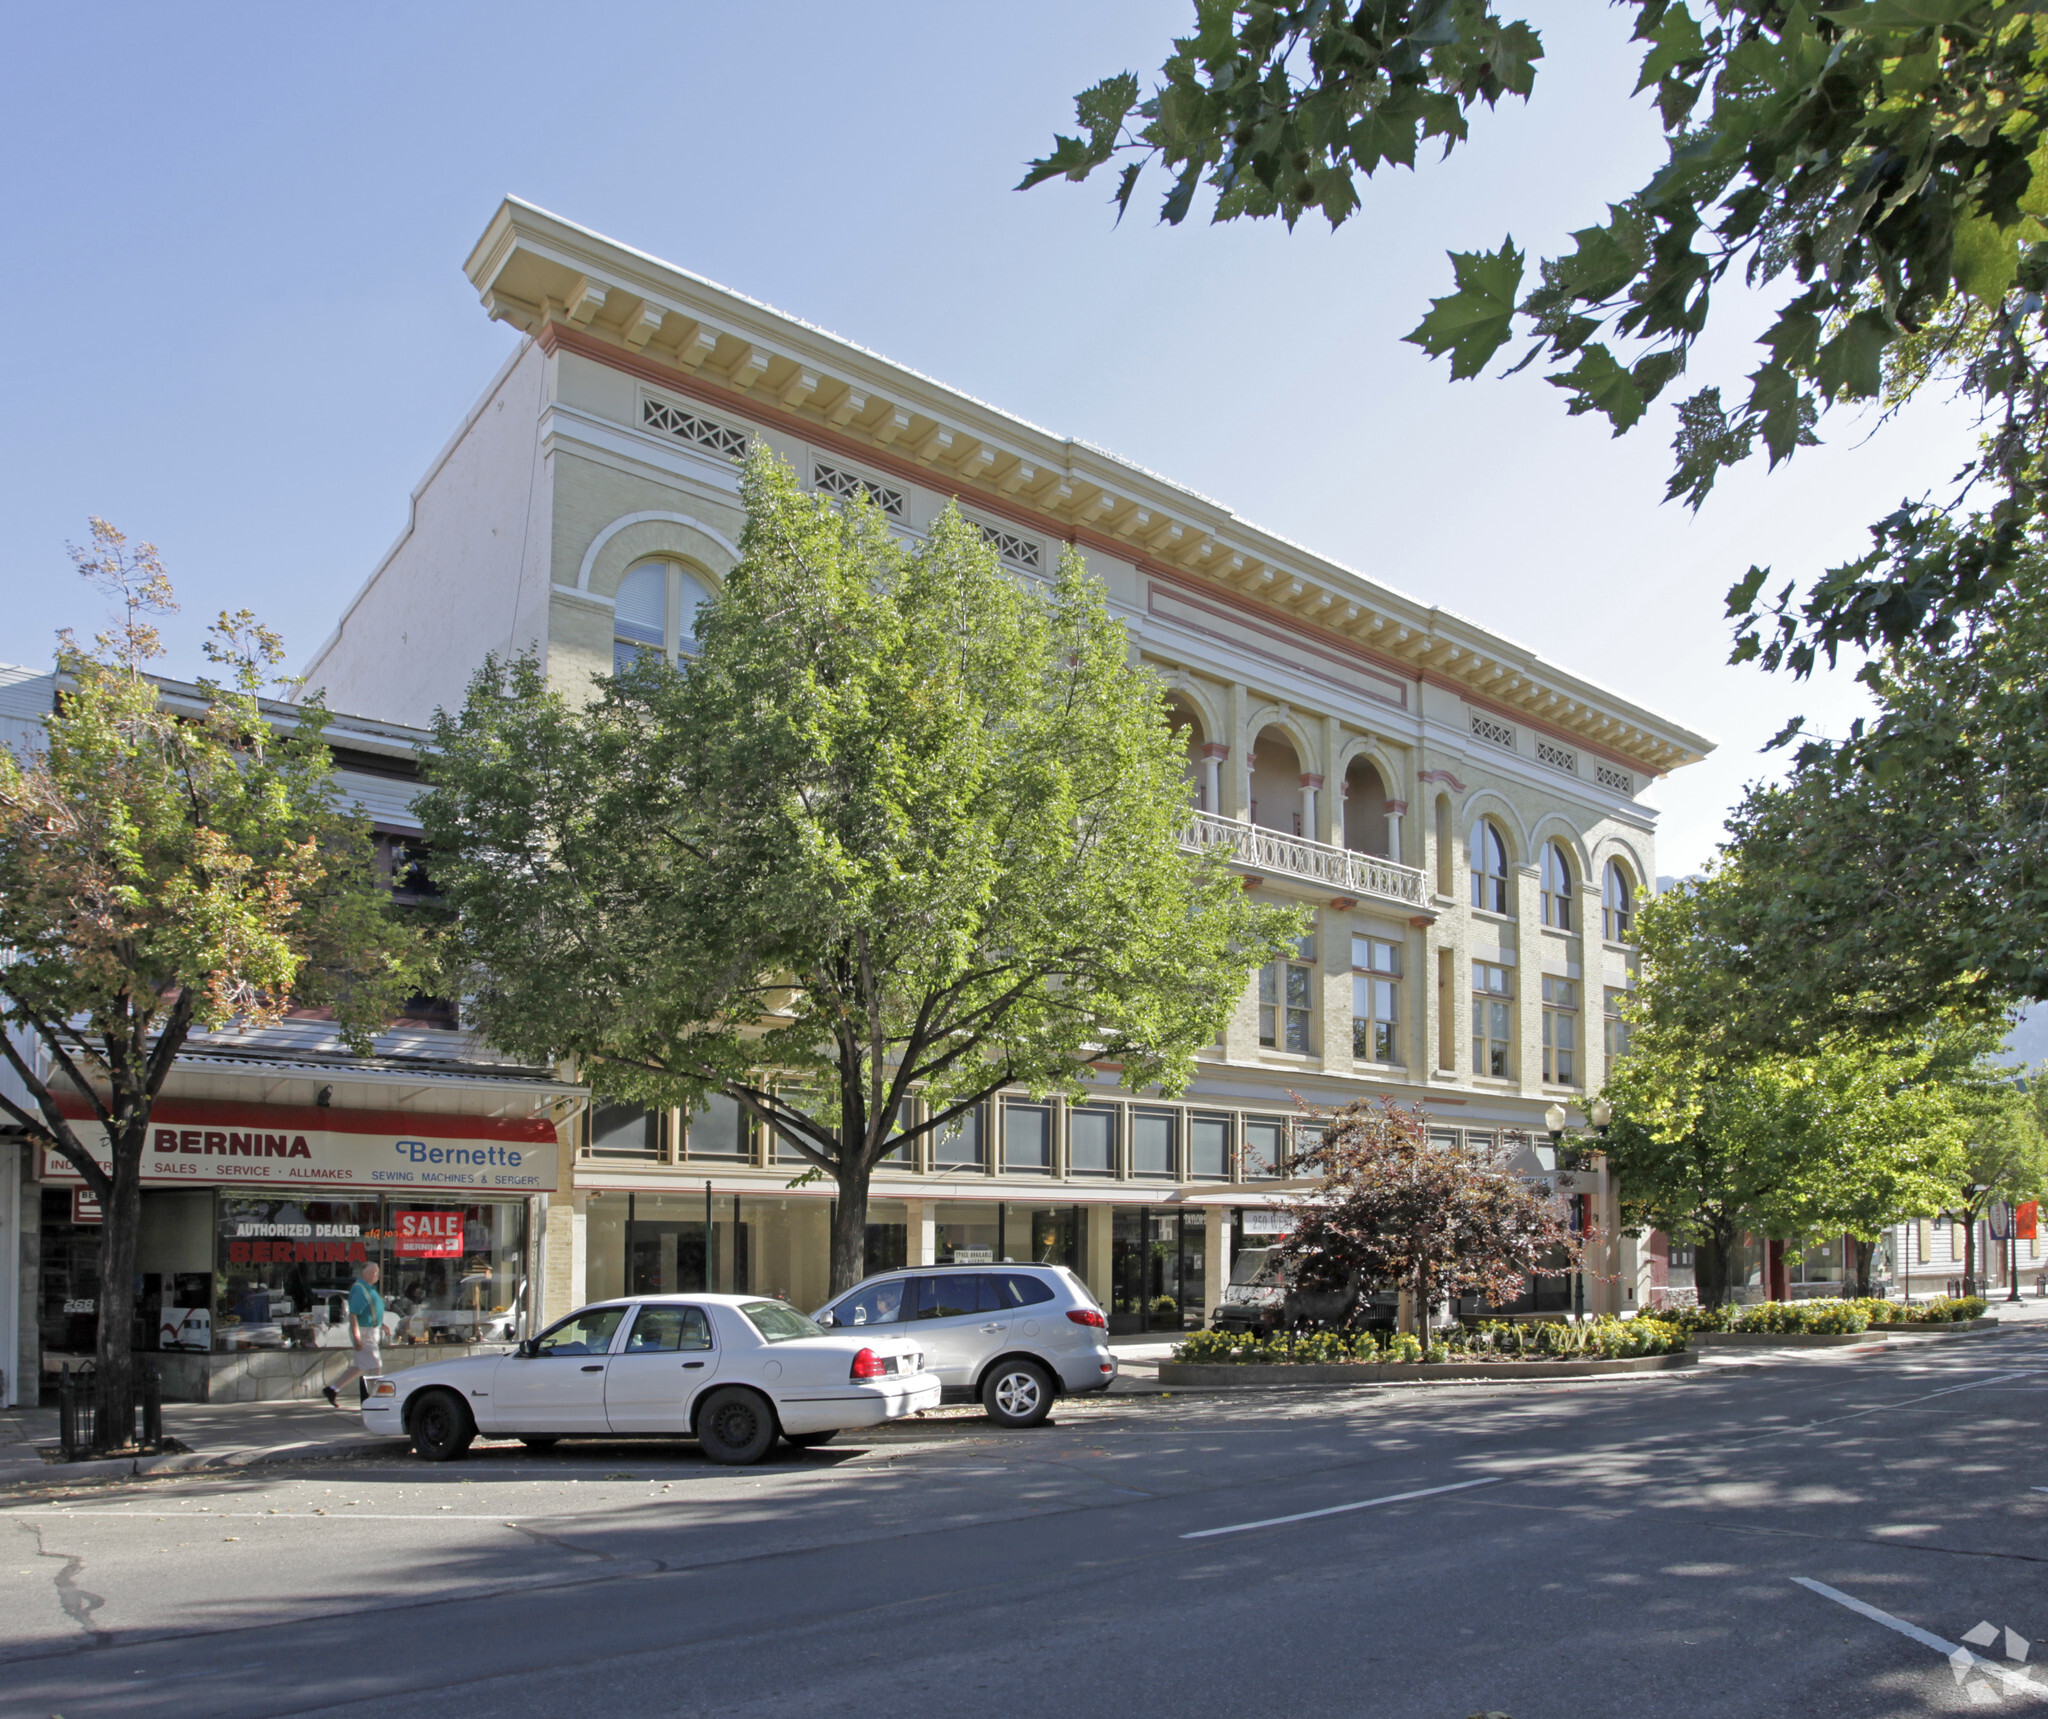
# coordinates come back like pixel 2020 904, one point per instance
pixel 216 1435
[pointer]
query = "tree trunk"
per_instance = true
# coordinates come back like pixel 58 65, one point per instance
pixel 1970 1253
pixel 1422 1309
pixel 850 1227
pixel 1861 1251
pixel 113 1352
pixel 1713 1257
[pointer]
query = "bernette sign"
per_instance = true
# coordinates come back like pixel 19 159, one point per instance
pixel 193 1141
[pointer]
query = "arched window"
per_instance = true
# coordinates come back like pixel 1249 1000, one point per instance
pixel 1618 904
pixel 640 616
pixel 1489 867
pixel 1557 887
pixel 656 610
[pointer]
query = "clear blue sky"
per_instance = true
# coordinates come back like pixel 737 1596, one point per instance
pixel 241 327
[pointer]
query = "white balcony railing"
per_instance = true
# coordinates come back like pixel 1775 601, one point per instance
pixel 1338 869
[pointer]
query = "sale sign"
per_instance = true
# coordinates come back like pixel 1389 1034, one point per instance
pixel 428 1235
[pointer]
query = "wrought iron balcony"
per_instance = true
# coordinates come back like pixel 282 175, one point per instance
pixel 1339 870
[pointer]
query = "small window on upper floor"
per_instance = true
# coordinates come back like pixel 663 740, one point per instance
pixel 1557 887
pixel 1489 854
pixel 656 612
pixel 1618 904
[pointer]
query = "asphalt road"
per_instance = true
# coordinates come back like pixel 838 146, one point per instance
pixel 1694 1543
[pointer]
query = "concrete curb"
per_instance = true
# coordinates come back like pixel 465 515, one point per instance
pixel 1838 1339
pixel 1784 1339
pixel 192 1461
pixel 1407 1372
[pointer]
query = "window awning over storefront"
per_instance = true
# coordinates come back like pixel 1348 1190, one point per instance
pixel 206 1142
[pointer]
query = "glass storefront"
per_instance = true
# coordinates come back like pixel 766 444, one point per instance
pixel 250 1269
pixel 1157 1269
pixel 654 1244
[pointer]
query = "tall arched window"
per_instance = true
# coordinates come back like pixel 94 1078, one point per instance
pixel 1489 867
pixel 1557 887
pixel 640 616
pixel 1618 903
pixel 656 610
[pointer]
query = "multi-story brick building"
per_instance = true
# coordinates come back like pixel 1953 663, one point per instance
pixel 1465 819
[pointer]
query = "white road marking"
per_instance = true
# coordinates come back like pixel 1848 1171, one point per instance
pixel 1340 1509
pixel 1960 1657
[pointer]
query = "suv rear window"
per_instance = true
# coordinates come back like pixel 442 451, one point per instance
pixel 1015 1289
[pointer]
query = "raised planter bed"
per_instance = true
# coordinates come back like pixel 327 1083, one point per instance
pixel 1400 1372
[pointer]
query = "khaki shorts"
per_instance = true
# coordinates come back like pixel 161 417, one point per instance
pixel 366 1359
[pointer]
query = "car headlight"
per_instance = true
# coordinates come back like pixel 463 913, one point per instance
pixel 383 1388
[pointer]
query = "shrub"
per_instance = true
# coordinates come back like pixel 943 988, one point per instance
pixel 1492 1340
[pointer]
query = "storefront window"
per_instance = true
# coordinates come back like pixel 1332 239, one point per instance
pixel 1043 1235
pixel 455 1273
pixel 283 1267
pixel 966 1232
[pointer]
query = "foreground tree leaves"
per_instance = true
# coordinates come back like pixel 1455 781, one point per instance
pixel 1875 165
pixel 162 868
pixel 905 828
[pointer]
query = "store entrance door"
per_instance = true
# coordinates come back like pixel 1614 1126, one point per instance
pixel 1156 1269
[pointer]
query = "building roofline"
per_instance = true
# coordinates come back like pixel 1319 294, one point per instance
pixel 570 286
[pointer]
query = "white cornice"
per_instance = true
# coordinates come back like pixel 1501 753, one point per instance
pixel 548 276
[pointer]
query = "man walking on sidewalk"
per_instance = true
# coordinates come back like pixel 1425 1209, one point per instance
pixel 365 1331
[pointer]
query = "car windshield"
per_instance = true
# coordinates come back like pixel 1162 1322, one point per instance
pixel 779 1322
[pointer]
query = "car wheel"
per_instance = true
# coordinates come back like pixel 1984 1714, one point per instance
pixel 441 1427
pixel 736 1427
pixel 1017 1394
pixel 806 1441
pixel 547 1443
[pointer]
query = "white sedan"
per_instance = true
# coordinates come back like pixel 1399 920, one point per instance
pixel 733 1371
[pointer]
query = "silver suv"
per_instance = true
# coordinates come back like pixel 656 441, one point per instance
pixel 1013 1337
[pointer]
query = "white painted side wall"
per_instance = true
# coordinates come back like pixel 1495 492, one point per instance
pixel 468 576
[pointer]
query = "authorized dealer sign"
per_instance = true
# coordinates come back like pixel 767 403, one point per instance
pixel 192 1141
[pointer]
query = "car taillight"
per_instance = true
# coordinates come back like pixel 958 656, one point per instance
pixel 867 1365
pixel 1084 1316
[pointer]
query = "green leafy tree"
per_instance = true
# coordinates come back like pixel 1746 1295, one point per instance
pixel 1715 1137
pixel 1875 170
pixel 2004 1157
pixel 161 869
pixel 904 825
pixel 1391 1207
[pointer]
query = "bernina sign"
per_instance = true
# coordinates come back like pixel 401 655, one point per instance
pixel 193 1141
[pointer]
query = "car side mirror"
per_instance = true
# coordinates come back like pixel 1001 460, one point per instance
pixel 528 1348
pixel 827 1318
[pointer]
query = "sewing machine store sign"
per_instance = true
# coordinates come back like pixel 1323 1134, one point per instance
pixel 193 1143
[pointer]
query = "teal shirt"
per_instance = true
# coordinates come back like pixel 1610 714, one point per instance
pixel 367 1306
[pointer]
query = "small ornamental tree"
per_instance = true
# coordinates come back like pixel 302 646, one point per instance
pixel 1393 1207
pixel 161 870
pixel 904 825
